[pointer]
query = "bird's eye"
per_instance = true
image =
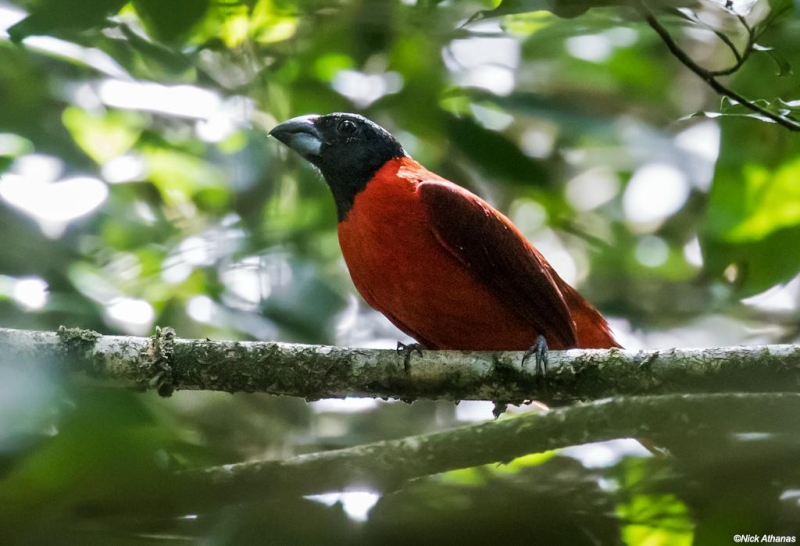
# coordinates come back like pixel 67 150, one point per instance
pixel 346 127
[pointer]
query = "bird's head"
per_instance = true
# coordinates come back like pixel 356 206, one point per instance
pixel 348 149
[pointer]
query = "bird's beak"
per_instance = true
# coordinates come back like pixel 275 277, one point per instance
pixel 300 134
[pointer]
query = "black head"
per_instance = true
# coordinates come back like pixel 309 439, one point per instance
pixel 347 148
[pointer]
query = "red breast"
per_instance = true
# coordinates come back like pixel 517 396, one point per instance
pixel 401 269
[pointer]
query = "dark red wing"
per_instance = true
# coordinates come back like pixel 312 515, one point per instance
pixel 496 252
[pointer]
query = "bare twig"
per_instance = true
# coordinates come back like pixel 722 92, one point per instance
pixel 710 77
pixel 164 362
pixel 740 57
pixel 724 38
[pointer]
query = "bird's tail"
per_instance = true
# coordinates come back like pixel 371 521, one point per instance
pixel 593 332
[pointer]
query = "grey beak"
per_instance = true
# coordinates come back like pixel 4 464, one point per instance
pixel 300 134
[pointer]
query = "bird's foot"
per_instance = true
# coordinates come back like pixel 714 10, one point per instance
pixel 539 351
pixel 406 350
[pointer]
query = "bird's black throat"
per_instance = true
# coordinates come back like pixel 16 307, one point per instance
pixel 347 178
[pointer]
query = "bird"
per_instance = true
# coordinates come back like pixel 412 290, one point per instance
pixel 439 262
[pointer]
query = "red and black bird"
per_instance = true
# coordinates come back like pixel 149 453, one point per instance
pixel 442 264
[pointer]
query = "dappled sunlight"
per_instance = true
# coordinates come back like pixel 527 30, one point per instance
pixel 33 187
pixel 344 405
pixel 30 293
pixel 779 298
pixel 529 216
pixel 470 411
pixel 593 188
pixel 606 454
pixel 365 88
pixel 217 118
pixel 26 404
pixel 12 145
pixel 550 245
pixel 624 333
pixel 655 192
pixel 356 504
pixel 652 251
pixel 212 247
pixel 179 100
pixel 491 118
pixel 693 253
pixel 202 309
pixel 252 279
pixel 124 168
pixel 539 141
pixel 247 284
pixel 597 48
pixel 132 316
pixel 701 144
pixel 594 48
pixel 9 16
pixel 487 63
pixel 711 330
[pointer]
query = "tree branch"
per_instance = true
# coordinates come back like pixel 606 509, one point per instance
pixel 166 363
pixel 705 422
pixel 709 76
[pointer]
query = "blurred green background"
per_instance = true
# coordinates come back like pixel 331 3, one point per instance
pixel 138 187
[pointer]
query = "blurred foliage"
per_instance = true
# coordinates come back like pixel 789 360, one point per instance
pixel 137 186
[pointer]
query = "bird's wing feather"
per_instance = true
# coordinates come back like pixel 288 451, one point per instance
pixel 492 249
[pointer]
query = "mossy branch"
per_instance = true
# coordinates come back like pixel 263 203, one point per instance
pixel 165 362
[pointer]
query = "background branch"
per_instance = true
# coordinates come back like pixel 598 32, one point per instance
pixel 311 371
pixel 705 422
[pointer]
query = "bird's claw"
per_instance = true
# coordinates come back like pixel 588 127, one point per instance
pixel 539 351
pixel 406 350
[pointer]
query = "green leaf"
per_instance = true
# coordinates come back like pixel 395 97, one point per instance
pixel 179 175
pixel 642 510
pixel 731 109
pixel 565 8
pixel 783 64
pixel 771 198
pixel 103 137
pixel 54 16
pixel 494 153
pixel 170 21
pixel 562 8
pixel 715 115
pixel 5 162
pixel 781 8
pixel 571 113
pixel 753 220
pixel 788 107
pixel 105 454
pixel 170 59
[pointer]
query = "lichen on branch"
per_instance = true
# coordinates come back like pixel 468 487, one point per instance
pixel 166 362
